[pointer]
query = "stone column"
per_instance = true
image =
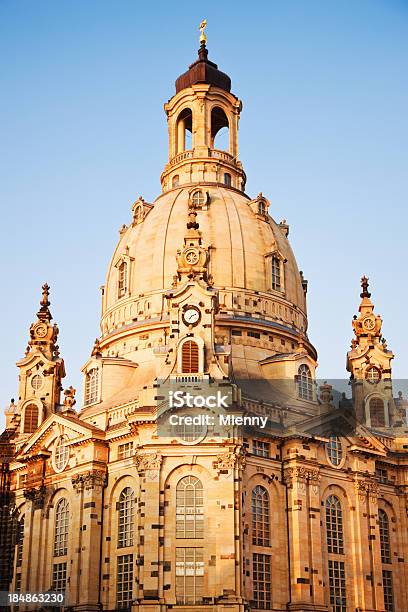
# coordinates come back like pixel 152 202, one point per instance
pixel 89 488
pixel 150 532
pixel 364 570
pixel 306 592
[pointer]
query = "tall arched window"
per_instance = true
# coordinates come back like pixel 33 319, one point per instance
pixel 190 357
pixel 184 130
pixel 189 508
pixel 377 412
pixel 276 273
pixel 175 181
pixel 386 560
pixel 227 179
pixel 260 517
pixel 61 528
pixel 384 536
pixel 30 418
pixel 126 527
pixel 20 541
pixel 305 383
pixel 91 386
pixel 334 526
pixel 122 279
pixel 335 548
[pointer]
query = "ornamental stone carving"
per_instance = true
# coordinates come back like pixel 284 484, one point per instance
pixel 367 487
pixel 227 461
pixel 89 480
pixel 146 462
pixel 301 475
pixel 37 497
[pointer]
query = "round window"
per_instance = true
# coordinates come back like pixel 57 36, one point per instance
pixel 373 375
pixel 61 454
pixel 36 382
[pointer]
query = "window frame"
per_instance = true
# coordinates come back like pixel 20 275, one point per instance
pixel 190 489
pixel 126 508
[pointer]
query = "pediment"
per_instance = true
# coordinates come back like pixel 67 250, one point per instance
pixel 56 425
pixel 342 423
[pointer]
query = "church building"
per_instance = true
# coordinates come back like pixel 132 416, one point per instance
pixel 121 505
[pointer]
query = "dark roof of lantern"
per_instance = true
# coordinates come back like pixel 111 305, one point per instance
pixel 203 71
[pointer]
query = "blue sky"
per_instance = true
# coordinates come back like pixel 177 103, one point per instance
pixel 323 135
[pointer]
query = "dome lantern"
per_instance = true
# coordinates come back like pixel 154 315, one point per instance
pixel 203 119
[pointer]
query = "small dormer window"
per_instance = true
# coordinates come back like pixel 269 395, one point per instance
pixel 198 199
pixel 91 386
pixel 276 273
pixel 262 207
pixel 138 214
pixel 122 279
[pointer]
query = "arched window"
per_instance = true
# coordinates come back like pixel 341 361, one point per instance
pixel 175 181
pixel 334 450
pixel 189 508
pixel 91 386
pixel 276 273
pixel 190 357
pixel 260 517
pixel 305 383
pixel 384 536
pixel 30 418
pixel 122 279
pixel 61 528
pixel 335 547
pixel 20 541
pixel 377 412
pixel 227 179
pixel 184 130
pixel 126 527
pixel 385 547
pixel 334 526
pixel 219 129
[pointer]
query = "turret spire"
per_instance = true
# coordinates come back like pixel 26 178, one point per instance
pixel 364 285
pixel 44 313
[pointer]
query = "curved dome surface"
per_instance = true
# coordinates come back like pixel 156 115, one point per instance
pixel 239 241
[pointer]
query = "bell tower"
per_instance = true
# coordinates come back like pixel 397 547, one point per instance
pixel 369 363
pixel 41 372
pixel 202 107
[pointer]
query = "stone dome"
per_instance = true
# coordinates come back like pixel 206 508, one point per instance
pixel 239 240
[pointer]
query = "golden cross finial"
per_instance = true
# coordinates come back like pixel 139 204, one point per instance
pixel 203 38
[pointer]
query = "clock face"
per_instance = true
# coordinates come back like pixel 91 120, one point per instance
pixel 41 331
pixel 369 323
pixel 191 315
pixel 192 257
